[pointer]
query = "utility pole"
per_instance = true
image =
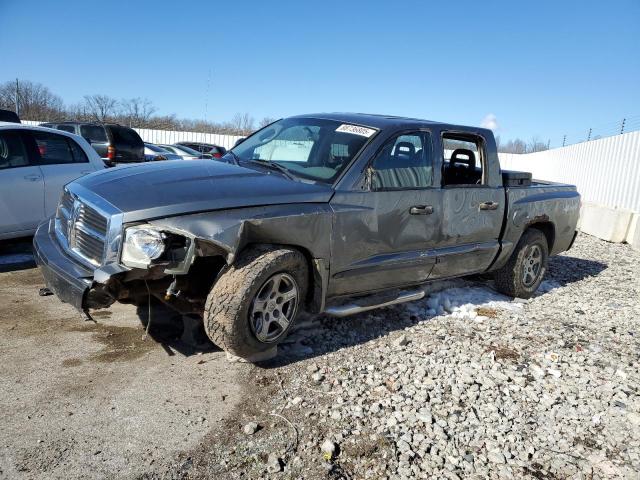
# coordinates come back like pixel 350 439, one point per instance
pixel 622 126
pixel 589 136
pixel 17 97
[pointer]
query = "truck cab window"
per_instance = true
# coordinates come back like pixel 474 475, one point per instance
pixel 403 163
pixel 463 160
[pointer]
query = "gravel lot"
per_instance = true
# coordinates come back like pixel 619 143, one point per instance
pixel 463 384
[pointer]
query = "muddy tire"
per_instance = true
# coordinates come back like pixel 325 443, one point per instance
pixel 522 274
pixel 253 304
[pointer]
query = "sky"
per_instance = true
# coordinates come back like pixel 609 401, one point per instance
pixel 538 68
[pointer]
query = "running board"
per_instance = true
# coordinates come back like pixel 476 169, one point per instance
pixel 352 308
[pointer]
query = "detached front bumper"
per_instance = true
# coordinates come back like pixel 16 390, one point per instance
pixel 65 277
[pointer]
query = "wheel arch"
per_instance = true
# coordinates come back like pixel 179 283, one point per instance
pixel 547 228
pixel 317 273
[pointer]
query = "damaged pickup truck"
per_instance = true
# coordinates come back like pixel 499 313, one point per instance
pixel 333 213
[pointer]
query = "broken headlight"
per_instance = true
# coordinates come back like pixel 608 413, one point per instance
pixel 142 244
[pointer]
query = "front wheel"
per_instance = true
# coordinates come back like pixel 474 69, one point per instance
pixel 252 306
pixel 522 274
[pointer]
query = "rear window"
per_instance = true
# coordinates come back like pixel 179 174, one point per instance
pixel 124 135
pixel 93 133
pixel 66 128
pixel 57 149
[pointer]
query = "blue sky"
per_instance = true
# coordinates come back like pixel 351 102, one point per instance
pixel 542 68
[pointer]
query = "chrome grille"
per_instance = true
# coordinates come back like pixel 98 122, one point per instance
pixel 81 229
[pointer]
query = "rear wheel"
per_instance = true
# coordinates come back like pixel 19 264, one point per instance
pixel 522 274
pixel 252 306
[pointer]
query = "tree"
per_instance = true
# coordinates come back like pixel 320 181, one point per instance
pixel 137 111
pixel 32 101
pixel 265 121
pixel 242 123
pixel 100 107
pixel 537 145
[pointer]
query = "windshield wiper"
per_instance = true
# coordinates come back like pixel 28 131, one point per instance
pixel 274 166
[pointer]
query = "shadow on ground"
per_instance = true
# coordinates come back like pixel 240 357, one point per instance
pixel 176 333
pixel 565 269
pixel 16 254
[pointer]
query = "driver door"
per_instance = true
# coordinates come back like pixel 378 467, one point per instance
pixel 385 236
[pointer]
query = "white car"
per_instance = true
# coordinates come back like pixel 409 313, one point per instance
pixel 35 163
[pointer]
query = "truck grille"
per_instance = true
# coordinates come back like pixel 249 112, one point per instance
pixel 83 229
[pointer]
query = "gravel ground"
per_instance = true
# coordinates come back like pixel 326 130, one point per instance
pixel 465 383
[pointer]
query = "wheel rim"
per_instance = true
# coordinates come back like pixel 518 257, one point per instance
pixel 532 266
pixel 274 307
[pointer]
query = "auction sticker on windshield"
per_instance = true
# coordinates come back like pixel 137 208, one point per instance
pixel 356 130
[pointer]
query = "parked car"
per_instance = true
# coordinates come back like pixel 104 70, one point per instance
pixel 314 210
pixel 9 116
pixel 185 152
pixel 35 163
pixel 153 153
pixel 214 150
pixel 114 143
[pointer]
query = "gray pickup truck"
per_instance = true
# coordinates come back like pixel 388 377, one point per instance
pixel 333 213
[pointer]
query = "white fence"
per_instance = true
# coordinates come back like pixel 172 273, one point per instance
pixel 170 136
pixel 606 171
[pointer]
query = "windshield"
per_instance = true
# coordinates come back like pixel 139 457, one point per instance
pixel 187 150
pixel 154 148
pixel 307 147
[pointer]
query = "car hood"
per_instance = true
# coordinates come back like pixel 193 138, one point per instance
pixel 162 189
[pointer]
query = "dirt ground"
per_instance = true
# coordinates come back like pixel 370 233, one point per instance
pixel 98 399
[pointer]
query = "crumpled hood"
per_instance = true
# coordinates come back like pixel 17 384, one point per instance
pixel 162 189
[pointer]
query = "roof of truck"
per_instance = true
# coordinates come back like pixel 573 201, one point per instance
pixel 386 121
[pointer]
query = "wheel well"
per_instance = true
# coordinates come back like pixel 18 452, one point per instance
pixel 314 285
pixel 548 230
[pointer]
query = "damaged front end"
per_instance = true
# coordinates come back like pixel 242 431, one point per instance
pixel 91 260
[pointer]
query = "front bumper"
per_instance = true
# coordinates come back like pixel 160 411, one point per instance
pixel 65 277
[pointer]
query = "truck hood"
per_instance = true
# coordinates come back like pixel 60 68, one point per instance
pixel 163 189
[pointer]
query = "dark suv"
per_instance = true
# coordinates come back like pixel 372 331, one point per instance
pixel 214 150
pixel 114 143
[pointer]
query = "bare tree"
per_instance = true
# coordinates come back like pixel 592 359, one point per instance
pixel 242 123
pixel 100 107
pixel 31 100
pixel 537 145
pixel 136 112
pixel 265 121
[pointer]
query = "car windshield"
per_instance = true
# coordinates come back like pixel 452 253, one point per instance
pixel 187 150
pixel 154 148
pixel 311 148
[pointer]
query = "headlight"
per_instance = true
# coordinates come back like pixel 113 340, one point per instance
pixel 142 244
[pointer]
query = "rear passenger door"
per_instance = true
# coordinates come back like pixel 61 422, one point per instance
pixel 61 160
pixel 21 186
pixel 473 206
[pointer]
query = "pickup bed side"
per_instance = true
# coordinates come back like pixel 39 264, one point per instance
pixel 551 207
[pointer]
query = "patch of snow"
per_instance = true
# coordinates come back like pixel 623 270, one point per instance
pixel 461 302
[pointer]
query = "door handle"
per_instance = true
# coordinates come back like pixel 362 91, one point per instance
pixel 86 172
pixel 489 206
pixel 32 178
pixel 421 210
